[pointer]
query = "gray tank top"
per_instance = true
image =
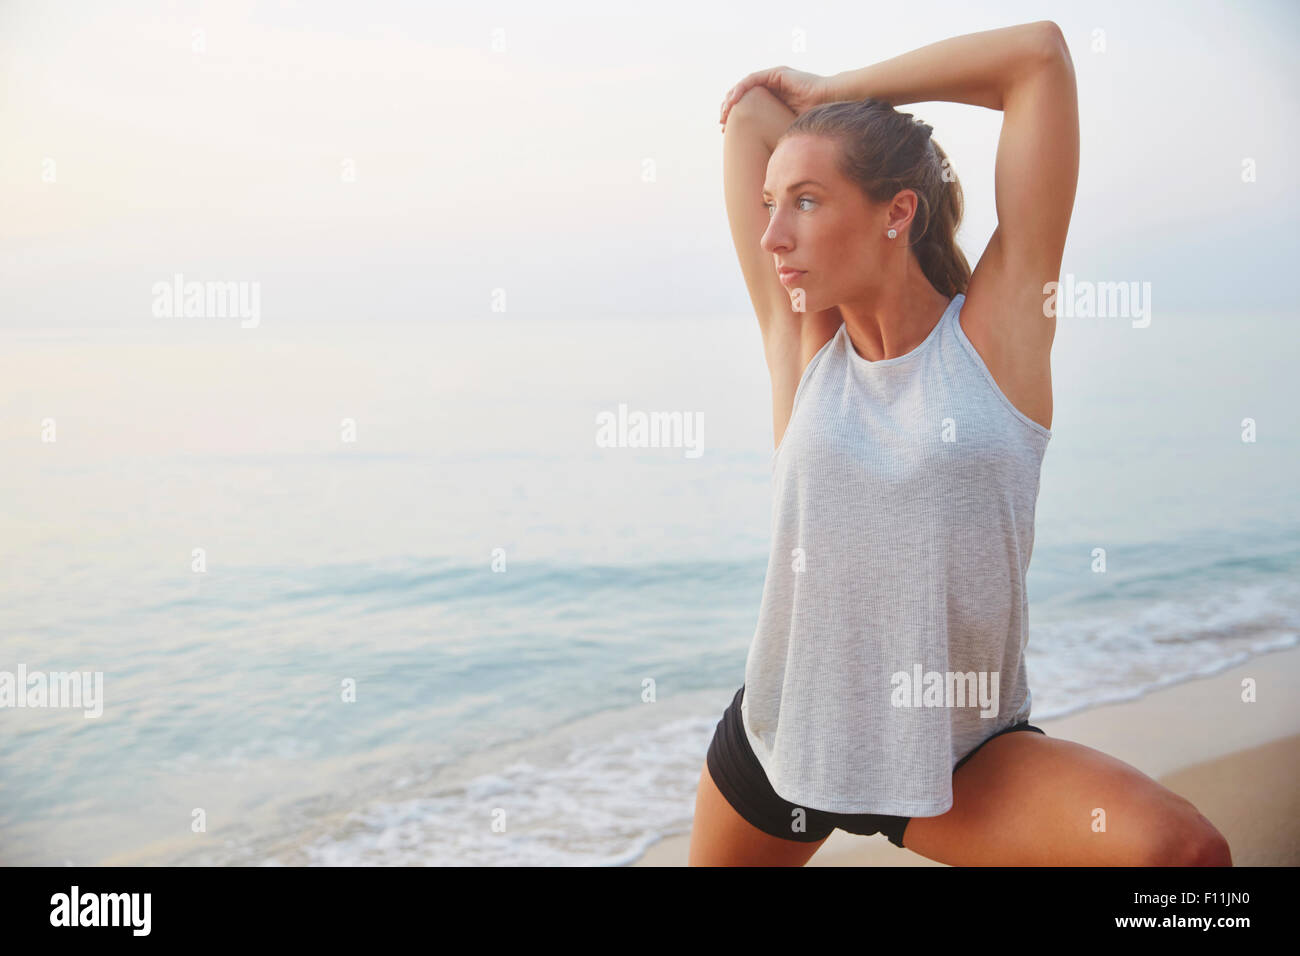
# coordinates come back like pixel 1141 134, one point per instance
pixel 894 618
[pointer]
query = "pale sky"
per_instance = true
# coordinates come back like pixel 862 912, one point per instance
pixel 212 139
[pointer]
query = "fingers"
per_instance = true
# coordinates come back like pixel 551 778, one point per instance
pixel 730 99
pixel 736 92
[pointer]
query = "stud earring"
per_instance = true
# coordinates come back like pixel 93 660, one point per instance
pixel 893 233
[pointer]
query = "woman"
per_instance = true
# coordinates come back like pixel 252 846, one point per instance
pixel 885 688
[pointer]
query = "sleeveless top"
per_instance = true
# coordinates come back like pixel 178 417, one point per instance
pixel 894 615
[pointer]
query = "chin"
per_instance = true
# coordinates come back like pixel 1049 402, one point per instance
pixel 810 303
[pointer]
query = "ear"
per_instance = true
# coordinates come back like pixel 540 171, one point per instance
pixel 902 210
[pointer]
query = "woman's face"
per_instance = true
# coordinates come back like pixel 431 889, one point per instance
pixel 821 223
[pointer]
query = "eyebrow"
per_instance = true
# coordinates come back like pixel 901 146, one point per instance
pixel 802 182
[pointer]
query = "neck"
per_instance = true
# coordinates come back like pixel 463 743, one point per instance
pixel 894 318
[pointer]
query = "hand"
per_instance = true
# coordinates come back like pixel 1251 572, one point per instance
pixel 798 90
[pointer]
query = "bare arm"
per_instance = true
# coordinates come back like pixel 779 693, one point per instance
pixel 790 338
pixel 757 122
pixel 1024 71
pixel 975 68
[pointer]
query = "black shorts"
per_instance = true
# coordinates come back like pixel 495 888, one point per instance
pixel 739 776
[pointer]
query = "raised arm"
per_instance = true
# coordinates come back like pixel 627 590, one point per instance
pixel 790 339
pixel 1026 72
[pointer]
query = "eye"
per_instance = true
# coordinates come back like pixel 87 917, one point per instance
pixel 801 199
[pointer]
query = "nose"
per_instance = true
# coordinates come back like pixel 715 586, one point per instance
pixel 774 238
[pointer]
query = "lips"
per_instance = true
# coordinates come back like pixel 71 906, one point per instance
pixel 786 274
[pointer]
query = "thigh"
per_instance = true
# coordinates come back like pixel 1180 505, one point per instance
pixel 1026 799
pixel 722 837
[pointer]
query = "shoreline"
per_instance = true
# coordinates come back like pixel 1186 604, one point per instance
pixel 1238 762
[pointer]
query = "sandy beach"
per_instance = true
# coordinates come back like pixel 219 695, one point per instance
pixel 1238 762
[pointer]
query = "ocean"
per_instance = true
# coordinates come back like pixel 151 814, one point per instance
pixel 373 593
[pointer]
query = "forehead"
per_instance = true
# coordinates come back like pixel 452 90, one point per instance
pixel 801 157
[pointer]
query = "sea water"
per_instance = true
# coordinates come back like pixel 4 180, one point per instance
pixel 375 593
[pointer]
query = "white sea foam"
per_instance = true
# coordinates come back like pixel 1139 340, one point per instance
pixel 605 801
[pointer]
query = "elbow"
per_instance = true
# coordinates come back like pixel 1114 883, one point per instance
pixel 1050 43
pixel 1042 51
pixel 754 102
